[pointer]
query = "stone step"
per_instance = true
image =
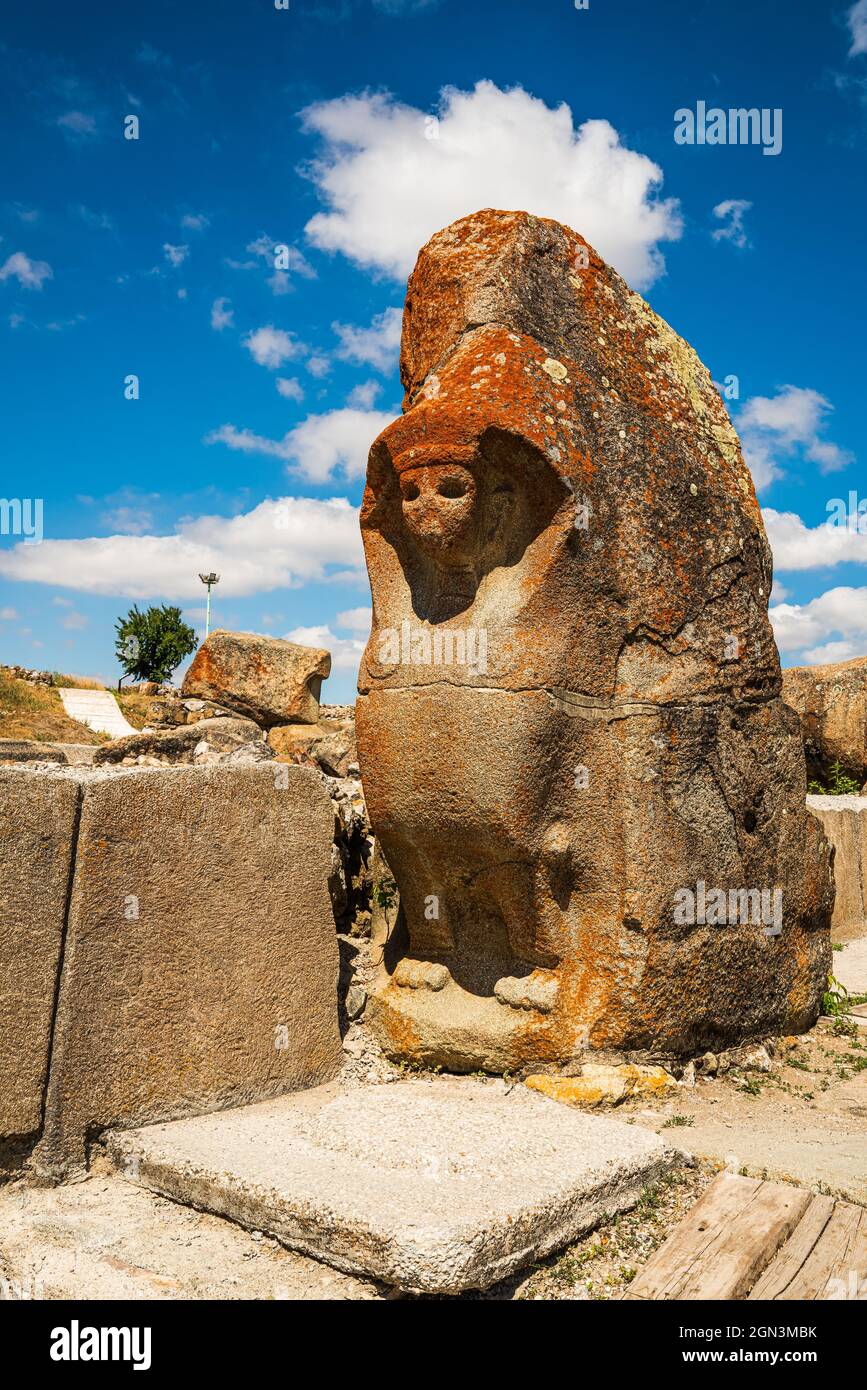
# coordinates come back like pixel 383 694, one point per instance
pixel 433 1186
pixel 108 1239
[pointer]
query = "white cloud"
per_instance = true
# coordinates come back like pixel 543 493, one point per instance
pixel 391 176
pixel 778 426
pixel 221 315
pixel 195 221
pixel 290 388
pixel 270 346
pixel 857 21
pixel 129 521
pixel 318 365
pixel 839 616
pixel 282 543
pixel 356 620
pixel 732 212
pixel 175 255
pixel 797 546
pixel 29 274
pixel 77 123
pixel 364 394
pixel 378 345
pixel 8 615
pixel 282 259
pixel 346 652
pixel 318 446
pixel 830 652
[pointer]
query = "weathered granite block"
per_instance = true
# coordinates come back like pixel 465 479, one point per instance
pixel 844 820
pixel 200 964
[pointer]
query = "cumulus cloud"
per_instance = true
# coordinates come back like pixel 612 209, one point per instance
pixel 318 365
pixel 857 21
pixel 731 213
pixel 346 652
pixel 279 544
pixel 8 615
pixel 792 422
pixel 377 346
pixel 838 616
pixel 356 620
pixel 221 315
pixel 391 176
pixel 364 394
pixel 30 275
pixel 317 447
pixel 290 388
pixel 271 347
pixel 194 221
pixel 175 255
pixel 797 546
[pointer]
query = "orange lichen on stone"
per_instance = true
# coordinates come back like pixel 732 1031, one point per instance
pixel 601 1085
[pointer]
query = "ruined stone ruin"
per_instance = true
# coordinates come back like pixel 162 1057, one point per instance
pixel 571 736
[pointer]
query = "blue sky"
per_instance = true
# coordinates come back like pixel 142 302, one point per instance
pixel 348 131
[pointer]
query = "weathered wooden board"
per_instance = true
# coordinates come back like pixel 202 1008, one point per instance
pixel 833 1266
pixel 748 1239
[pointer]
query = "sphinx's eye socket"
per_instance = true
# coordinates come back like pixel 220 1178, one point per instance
pixel 452 487
pixel 409 492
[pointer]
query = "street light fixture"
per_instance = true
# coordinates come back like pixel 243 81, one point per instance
pixel 209 580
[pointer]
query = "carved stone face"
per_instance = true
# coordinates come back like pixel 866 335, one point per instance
pixel 440 510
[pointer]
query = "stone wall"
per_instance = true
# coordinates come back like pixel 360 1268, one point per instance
pixel 167 947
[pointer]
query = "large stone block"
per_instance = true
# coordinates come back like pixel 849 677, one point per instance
pixel 264 678
pixel 569 714
pixel 38 817
pixel 435 1186
pixel 832 704
pixel 200 965
pixel 844 821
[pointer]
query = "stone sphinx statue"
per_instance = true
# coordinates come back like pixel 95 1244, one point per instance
pixel 573 746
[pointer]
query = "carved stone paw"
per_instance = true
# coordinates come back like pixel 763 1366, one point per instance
pixel 538 992
pixel 421 974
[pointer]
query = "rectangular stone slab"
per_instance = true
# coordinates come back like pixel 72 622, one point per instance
pixel 38 814
pixel 434 1186
pixel 201 960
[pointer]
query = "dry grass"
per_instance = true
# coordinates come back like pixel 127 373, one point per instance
pixel 135 708
pixel 36 711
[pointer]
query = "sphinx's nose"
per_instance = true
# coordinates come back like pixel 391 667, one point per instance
pixel 438 504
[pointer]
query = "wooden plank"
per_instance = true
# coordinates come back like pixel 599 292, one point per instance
pixel 725 1243
pixel 836 1265
pixel 791 1257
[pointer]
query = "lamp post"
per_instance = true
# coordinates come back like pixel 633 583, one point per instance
pixel 209 580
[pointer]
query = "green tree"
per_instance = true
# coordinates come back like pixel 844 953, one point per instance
pixel 151 644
